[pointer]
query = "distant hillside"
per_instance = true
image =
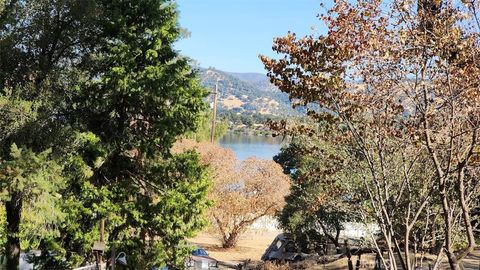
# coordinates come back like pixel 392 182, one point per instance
pixel 247 93
pixel 260 81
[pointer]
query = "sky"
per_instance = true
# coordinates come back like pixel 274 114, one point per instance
pixel 230 34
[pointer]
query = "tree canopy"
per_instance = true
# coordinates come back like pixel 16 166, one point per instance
pixel 92 97
pixel 242 191
pixel 400 81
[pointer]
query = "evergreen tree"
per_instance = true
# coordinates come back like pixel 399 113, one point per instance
pixel 95 89
pixel 320 202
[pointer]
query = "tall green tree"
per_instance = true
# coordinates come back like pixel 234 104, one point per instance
pixel 26 178
pixel 96 88
pixel 321 200
pixel 40 43
pixel 138 97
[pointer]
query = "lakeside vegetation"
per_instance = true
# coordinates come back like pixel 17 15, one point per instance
pixel 254 123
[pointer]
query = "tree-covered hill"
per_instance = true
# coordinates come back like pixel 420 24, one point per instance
pixel 249 93
pixel 258 80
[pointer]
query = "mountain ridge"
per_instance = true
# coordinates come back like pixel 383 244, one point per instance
pixel 248 92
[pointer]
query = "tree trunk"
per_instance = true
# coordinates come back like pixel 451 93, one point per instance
pixel 407 249
pixel 466 216
pixel 332 238
pixel 13 210
pixel 399 254
pixel 231 240
pixel 452 260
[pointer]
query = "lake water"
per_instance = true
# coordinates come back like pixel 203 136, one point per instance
pixel 246 146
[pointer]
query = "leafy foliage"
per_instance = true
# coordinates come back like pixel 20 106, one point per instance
pixel 203 132
pixel 242 192
pixel 400 80
pixel 321 200
pixel 37 180
pixel 94 96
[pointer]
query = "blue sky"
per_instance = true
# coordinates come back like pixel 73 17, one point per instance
pixel 230 34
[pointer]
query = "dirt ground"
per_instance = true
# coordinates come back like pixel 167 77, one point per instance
pixel 251 246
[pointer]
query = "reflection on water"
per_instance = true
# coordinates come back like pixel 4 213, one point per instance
pixel 246 146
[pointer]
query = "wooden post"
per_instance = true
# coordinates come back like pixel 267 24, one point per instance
pixel 102 230
pixel 378 262
pixel 349 256
pixel 214 118
pixel 357 265
pixel 113 257
pixel 102 240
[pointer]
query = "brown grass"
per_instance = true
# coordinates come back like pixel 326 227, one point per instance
pixel 232 102
pixel 251 246
pixel 250 249
pixel 272 266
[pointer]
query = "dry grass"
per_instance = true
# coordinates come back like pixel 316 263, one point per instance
pixel 232 102
pixel 272 266
pixel 251 246
pixel 250 249
pixel 254 243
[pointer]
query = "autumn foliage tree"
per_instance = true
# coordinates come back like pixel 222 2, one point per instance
pixel 402 80
pixel 242 192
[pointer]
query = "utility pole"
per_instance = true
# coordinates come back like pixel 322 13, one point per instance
pixel 102 239
pixel 102 230
pixel 99 246
pixel 214 118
